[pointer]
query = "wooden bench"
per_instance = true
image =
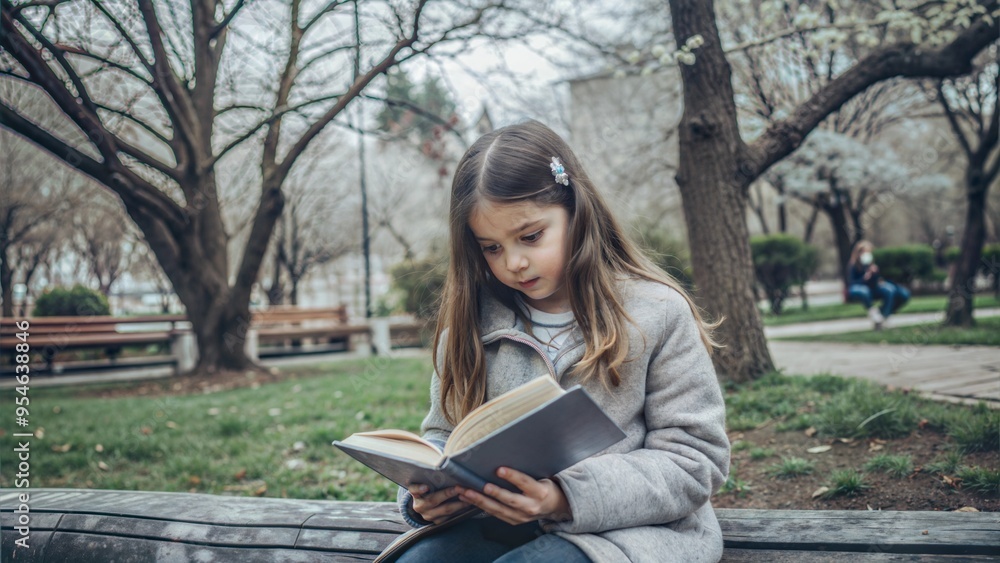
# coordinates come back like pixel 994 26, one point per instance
pixel 49 337
pixel 97 526
pixel 285 329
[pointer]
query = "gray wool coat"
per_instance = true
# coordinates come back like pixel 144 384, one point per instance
pixel 645 498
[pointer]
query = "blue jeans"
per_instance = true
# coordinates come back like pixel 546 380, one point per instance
pixel 893 296
pixel 493 540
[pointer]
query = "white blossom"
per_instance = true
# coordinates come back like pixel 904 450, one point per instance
pixel 686 57
pixel 694 42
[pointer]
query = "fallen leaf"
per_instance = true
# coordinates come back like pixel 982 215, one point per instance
pixel 261 490
pixel 57 409
pixel 820 492
pixel 98 448
pixel 171 424
pixel 40 433
pixel 846 440
pixel 820 449
pixel 926 532
pixel 146 430
pixel 194 480
pixel 62 449
pixel 967 509
pixel 103 466
pixel 875 447
pixel 923 423
pixel 811 431
pixel 240 474
pixel 952 481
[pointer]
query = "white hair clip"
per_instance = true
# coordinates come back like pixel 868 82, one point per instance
pixel 559 172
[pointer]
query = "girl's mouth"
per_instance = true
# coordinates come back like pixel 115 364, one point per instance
pixel 528 284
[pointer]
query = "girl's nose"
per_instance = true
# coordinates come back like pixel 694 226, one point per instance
pixel 516 262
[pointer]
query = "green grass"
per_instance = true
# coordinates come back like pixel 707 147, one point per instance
pixel 235 442
pixel 842 407
pixel 792 467
pixel 757 454
pixel 980 479
pixel 898 466
pixel 846 482
pixel 947 464
pixel 734 485
pixel 985 333
pixel 740 445
pixel 275 440
pixel 921 304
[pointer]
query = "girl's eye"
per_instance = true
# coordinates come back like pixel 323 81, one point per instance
pixel 492 249
pixel 533 237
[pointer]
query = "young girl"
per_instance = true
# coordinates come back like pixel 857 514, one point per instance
pixel 865 283
pixel 544 282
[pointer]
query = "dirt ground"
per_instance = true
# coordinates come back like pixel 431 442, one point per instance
pixel 921 490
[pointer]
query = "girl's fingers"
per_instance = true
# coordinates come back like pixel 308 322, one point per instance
pixel 523 481
pixel 417 490
pixel 442 511
pixel 427 504
pixel 494 507
pixel 438 497
pixel 513 500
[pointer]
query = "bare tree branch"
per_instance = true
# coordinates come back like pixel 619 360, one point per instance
pixel 172 93
pixel 953 59
pixel 139 191
pixel 229 17
pixel 956 128
pixel 281 171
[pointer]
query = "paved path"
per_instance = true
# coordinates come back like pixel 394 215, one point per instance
pixel 863 324
pixel 954 373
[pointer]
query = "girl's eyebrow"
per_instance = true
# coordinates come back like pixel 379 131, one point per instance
pixel 517 229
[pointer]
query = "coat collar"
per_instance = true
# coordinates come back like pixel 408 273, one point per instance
pixel 500 321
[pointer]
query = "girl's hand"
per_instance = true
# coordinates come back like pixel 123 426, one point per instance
pixel 540 499
pixel 434 507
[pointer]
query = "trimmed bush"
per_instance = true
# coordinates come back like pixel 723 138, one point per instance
pixel 421 282
pixel 781 262
pixel 904 264
pixel 77 302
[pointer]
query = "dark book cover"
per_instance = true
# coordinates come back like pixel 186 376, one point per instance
pixel 541 443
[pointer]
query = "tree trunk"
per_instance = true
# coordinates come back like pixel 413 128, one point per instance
pixel 714 189
pixel 7 281
pixel 841 235
pixel 963 286
pixel 195 261
pixel 276 293
pixel 810 225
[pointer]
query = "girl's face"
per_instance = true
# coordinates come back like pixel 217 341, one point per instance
pixel 525 247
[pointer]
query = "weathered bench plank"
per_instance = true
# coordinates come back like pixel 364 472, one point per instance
pixel 887 531
pixel 93 525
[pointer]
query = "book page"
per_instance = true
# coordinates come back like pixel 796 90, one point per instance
pixel 399 443
pixel 494 414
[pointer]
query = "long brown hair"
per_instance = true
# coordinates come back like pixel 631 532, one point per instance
pixel 511 165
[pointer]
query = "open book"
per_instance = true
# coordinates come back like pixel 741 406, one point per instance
pixel 537 428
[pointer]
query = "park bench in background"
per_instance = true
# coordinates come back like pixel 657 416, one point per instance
pixel 273 332
pixel 97 526
pixel 280 330
pixel 50 338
